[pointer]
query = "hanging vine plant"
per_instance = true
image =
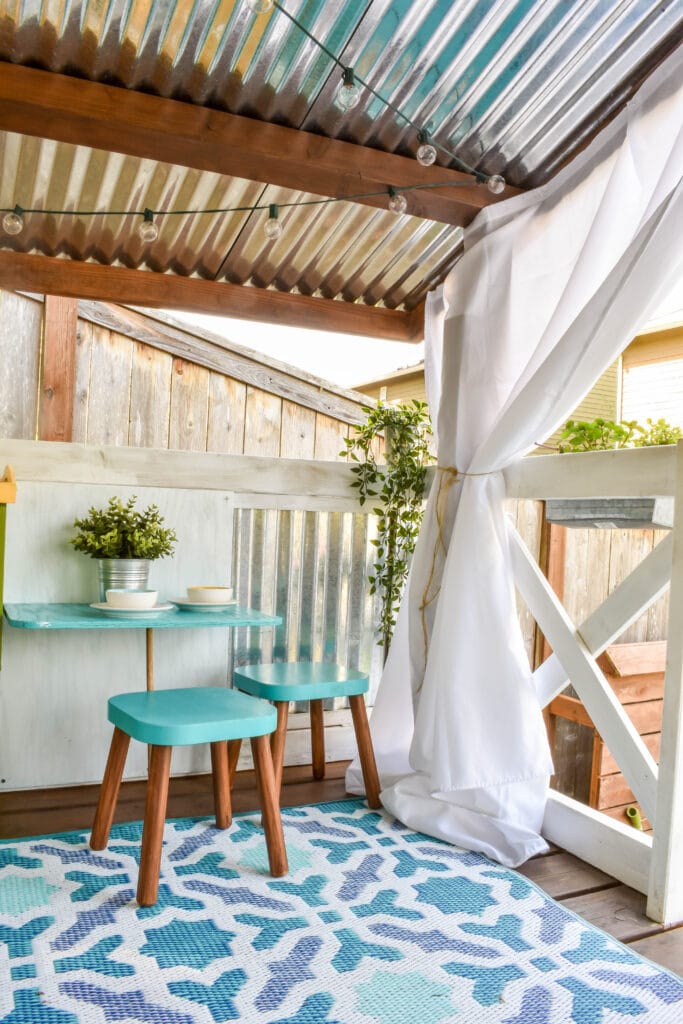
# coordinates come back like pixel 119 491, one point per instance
pixel 399 484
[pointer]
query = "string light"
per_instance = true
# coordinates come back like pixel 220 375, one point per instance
pixel 13 221
pixel 148 231
pixel 259 6
pixel 397 201
pixel 495 184
pixel 347 95
pixel 272 229
pixel 426 153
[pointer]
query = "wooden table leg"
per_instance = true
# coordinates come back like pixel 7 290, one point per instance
pixel 234 748
pixel 270 806
pixel 365 751
pixel 153 828
pixel 317 739
pixel 150 658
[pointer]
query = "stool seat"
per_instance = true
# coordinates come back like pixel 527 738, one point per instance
pixel 189 715
pixel 286 681
pixel 300 680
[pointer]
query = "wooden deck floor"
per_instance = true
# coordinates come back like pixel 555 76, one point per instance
pixel 595 896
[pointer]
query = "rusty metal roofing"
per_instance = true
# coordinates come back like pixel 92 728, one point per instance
pixel 512 87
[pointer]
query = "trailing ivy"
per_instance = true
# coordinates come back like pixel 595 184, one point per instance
pixel 399 486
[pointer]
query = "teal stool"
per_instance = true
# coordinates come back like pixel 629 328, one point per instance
pixel 172 718
pixel 282 682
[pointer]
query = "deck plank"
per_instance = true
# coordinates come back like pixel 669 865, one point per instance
pixel 665 948
pixel 619 911
pixel 565 875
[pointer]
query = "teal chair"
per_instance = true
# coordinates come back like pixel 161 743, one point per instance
pixel 282 682
pixel 173 718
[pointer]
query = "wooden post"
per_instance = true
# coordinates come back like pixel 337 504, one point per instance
pixel 665 893
pixel 58 369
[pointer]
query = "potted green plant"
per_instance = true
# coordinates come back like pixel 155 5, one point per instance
pixel 399 485
pixel 124 540
pixel 612 513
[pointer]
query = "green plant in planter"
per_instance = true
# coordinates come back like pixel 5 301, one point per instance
pixel 121 531
pixel 600 434
pixel 399 485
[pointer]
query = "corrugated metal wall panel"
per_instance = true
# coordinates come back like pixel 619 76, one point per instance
pixel 311 568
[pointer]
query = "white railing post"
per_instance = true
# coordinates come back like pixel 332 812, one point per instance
pixel 665 894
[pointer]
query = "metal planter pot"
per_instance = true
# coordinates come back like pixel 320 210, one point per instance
pixel 122 574
pixel 611 513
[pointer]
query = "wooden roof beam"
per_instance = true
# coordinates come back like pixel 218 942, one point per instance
pixel 51 276
pixel 52 106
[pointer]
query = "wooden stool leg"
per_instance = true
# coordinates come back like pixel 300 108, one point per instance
pixel 317 739
pixel 221 783
pixel 270 806
pixel 365 751
pixel 109 790
pixel 277 742
pixel 153 827
pixel 234 747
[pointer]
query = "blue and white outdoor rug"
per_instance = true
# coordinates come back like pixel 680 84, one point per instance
pixel 375 924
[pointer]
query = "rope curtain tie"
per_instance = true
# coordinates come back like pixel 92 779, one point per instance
pixel 448 478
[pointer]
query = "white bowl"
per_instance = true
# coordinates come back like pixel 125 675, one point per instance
pixel 132 598
pixel 210 595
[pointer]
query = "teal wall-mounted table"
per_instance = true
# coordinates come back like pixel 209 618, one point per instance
pixel 82 616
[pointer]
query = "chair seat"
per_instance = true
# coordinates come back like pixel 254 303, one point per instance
pixel 190 715
pixel 299 680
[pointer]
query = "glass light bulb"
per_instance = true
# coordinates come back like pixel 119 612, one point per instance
pixel 148 231
pixel 398 203
pixel 259 6
pixel 426 154
pixel 12 223
pixel 272 229
pixel 495 184
pixel 347 96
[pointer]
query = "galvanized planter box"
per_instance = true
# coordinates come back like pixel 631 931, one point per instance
pixel 611 513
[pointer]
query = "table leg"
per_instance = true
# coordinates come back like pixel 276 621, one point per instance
pixel 150 658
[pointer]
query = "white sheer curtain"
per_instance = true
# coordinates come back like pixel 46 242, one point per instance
pixel 552 286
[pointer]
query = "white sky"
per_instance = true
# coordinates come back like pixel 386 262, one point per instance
pixel 342 358
pixel 339 358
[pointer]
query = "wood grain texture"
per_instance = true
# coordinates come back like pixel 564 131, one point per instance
pixel 150 397
pixel 565 875
pixel 153 825
pixel 329 438
pixel 189 407
pixel 298 432
pixel 109 389
pixel 262 423
pixel 53 106
pixel 21 320
pixel 619 911
pixel 58 370
pixel 49 275
pixel 227 406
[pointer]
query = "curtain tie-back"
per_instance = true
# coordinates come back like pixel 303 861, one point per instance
pixel 448 476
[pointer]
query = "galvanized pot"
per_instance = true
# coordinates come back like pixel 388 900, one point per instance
pixel 122 574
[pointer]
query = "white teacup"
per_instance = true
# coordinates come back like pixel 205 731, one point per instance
pixel 210 595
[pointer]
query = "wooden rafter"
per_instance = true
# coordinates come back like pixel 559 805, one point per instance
pixel 51 276
pixel 47 105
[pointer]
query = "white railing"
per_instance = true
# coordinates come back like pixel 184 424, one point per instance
pixel 649 864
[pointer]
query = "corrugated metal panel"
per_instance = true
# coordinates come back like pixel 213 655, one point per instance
pixel 339 250
pixel 510 86
pixel 311 568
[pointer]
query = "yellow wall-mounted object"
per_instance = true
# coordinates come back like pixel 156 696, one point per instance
pixel 8 487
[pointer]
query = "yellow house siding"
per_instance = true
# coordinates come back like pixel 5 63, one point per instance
pixel 655 391
pixel 603 400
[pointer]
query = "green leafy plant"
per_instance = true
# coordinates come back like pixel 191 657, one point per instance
pixel 399 486
pixel 121 531
pixel 600 434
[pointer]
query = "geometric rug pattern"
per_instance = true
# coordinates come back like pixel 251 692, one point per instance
pixel 374 924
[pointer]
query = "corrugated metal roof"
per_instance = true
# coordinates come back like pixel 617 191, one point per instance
pixel 511 87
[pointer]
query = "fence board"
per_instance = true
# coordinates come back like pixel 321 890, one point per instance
pixel 262 423
pixel 21 319
pixel 82 381
pixel 109 389
pixel 297 439
pixel 227 401
pixel 329 437
pixel 189 407
pixel 150 398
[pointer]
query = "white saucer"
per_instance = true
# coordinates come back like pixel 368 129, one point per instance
pixel 202 606
pixel 131 613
